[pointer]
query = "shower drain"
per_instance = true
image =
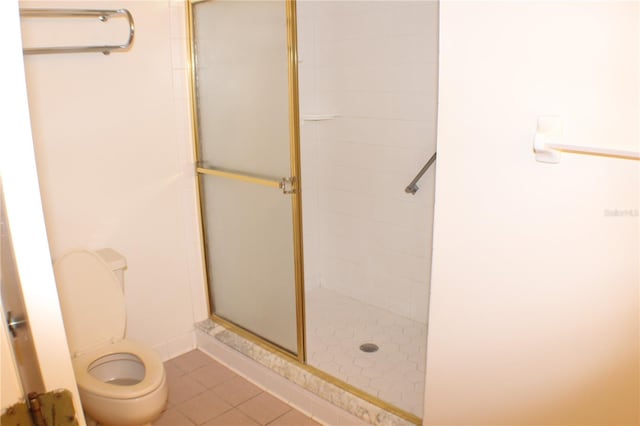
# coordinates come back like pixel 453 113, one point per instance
pixel 368 347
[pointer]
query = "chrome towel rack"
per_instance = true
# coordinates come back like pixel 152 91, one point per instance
pixel 101 15
pixel 412 188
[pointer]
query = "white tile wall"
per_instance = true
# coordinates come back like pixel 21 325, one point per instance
pixel 374 64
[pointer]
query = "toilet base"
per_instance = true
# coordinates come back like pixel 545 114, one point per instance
pixel 121 412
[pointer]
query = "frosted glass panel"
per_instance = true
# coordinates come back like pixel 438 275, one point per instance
pixel 243 123
pixel 242 86
pixel 250 257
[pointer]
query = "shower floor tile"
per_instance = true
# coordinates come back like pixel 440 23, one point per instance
pixel 336 327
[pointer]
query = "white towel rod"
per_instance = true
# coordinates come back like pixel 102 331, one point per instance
pixel 547 148
pixel 573 149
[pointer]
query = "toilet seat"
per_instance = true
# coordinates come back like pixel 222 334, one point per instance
pixel 153 376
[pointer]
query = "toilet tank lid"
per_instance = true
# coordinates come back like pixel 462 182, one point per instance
pixel 91 299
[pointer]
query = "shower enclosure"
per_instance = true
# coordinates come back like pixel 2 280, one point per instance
pixel 312 118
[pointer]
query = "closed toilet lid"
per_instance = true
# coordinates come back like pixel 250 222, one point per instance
pixel 91 300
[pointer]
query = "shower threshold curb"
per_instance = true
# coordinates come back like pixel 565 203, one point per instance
pixel 347 401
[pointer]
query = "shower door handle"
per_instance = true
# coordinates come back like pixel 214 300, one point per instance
pixel 288 185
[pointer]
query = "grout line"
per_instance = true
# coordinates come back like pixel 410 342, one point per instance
pixel 282 415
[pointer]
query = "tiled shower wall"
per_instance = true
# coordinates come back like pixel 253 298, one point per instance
pixel 368 94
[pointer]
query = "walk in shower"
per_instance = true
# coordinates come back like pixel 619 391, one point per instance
pixel 312 119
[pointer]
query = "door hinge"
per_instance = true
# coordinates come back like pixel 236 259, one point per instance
pixel 53 408
pixel 35 407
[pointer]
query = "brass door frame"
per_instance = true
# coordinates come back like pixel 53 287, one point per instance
pixel 296 196
pixel 294 138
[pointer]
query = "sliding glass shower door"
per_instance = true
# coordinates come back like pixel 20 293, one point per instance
pixel 247 142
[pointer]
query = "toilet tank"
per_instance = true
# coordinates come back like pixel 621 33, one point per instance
pixel 116 261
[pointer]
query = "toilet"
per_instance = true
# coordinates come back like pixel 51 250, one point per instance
pixel 121 382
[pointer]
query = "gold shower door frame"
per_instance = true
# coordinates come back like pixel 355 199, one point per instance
pixel 295 183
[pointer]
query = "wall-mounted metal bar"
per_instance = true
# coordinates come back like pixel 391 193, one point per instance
pixel 412 188
pixel 547 143
pixel 550 152
pixel 101 15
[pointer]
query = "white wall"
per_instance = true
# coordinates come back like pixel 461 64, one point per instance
pixel 374 64
pixel 534 303
pixel 114 153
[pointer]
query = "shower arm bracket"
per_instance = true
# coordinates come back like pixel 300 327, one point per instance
pixel 288 185
pixel 413 187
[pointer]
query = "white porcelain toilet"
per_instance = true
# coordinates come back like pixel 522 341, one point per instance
pixel 121 382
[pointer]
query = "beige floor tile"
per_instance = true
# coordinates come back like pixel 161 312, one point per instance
pixel 172 417
pixel 237 390
pixel 182 389
pixel 173 372
pixel 294 418
pixel 203 407
pixel 264 408
pixel 232 418
pixel 212 374
pixel 191 403
pixel 191 361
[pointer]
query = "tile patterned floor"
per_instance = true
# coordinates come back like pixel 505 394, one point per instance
pixel 205 392
pixel 336 327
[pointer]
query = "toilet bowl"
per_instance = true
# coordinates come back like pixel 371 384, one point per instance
pixel 121 382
